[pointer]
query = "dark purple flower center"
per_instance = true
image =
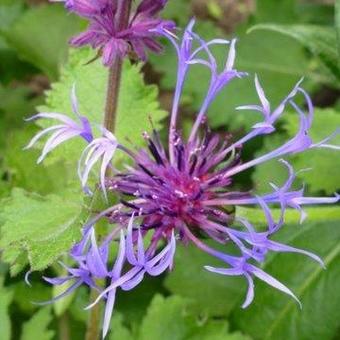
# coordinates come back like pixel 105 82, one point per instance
pixel 169 195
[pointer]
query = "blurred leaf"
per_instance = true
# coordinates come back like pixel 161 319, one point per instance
pixel 6 297
pixel 45 227
pixel 273 315
pixel 63 304
pixel 24 295
pixel 133 304
pixel 37 326
pixel 320 40
pixel 292 216
pixel 264 54
pixel 118 330
pixel 319 161
pixel 212 294
pixel 45 48
pixel 171 319
pixel 10 11
pixel 137 101
pixel 337 23
pixel 282 11
pixel 178 10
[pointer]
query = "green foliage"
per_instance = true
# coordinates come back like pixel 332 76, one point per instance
pixel 135 97
pixel 264 54
pixel 6 297
pixel 37 326
pixel 212 294
pixel 178 10
pixel 337 23
pixel 45 48
pixel 317 288
pixel 118 330
pixel 44 227
pixel 317 161
pixel 172 319
pixel 320 40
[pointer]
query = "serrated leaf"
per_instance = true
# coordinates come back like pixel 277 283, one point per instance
pixel 44 227
pixel 37 326
pixel 172 319
pixel 320 40
pixel 137 101
pixel 6 297
pixel 22 169
pixel 45 48
pixel 275 316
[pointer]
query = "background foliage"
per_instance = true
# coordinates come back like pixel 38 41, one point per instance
pixel 41 213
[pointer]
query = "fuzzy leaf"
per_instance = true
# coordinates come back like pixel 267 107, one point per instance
pixel 37 326
pixel 44 227
pixel 137 101
pixel 45 48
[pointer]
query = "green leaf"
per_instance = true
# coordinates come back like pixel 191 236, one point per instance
pixel 172 319
pixel 60 306
pixel 321 161
pixel 274 315
pixel 178 10
pixel 6 297
pixel 275 11
pixel 45 48
pixel 212 294
pixel 318 161
pixel 118 330
pixel 9 12
pixel 263 53
pixel 24 295
pixel 337 23
pixel 320 40
pixel 37 326
pixel 22 169
pixel 137 101
pixel 44 227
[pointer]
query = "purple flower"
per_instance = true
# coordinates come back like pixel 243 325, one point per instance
pixel 61 132
pixel 181 191
pixel 105 34
pixel 100 148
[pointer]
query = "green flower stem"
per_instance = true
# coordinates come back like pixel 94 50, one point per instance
pixel 112 96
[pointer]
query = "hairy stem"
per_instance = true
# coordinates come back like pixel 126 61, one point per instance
pixel 111 105
pixel 115 72
pixel 93 325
